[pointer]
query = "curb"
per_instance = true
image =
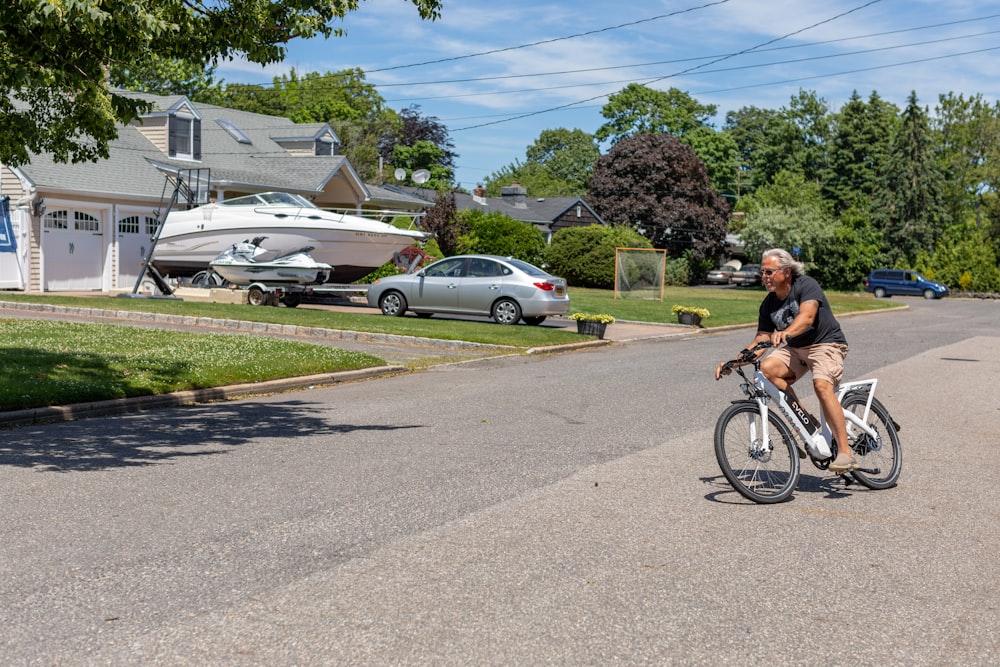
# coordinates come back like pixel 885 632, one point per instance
pixel 120 406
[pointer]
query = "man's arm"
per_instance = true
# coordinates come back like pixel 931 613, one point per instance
pixel 801 324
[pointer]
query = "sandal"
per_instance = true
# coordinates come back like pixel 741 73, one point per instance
pixel 843 463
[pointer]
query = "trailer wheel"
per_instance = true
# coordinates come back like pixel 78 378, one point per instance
pixel 257 296
pixel 291 299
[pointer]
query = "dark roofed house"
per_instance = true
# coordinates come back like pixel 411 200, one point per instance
pixel 87 226
pixel 548 214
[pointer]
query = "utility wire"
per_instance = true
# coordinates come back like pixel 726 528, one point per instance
pixel 690 69
pixel 707 71
pixel 550 41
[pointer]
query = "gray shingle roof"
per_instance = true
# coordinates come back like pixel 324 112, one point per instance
pixel 262 164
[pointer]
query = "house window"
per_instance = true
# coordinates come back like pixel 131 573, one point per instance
pixel 184 138
pixel 324 147
pixel 234 131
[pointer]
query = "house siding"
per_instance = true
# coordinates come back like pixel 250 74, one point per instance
pixel 156 131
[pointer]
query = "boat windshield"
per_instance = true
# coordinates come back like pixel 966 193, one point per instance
pixel 269 199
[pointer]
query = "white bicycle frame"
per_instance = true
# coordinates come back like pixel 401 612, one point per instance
pixel 816 437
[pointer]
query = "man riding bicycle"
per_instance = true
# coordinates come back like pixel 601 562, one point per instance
pixel 795 312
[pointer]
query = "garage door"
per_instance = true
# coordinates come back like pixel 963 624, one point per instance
pixel 72 248
pixel 135 233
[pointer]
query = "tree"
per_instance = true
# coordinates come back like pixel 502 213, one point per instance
pixel 861 136
pixel 414 127
pixel 968 137
pixel 558 165
pixel 424 155
pixel 54 91
pixel 748 128
pixel 163 76
pixel 497 234
pixel 442 220
pixel 786 227
pixel 796 140
pixel 909 208
pixel 532 176
pixel 638 109
pixel 657 185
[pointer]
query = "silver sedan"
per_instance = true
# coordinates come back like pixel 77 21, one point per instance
pixel 504 288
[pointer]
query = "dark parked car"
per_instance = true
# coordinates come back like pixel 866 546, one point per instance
pixel 504 288
pixel 749 274
pixel 889 282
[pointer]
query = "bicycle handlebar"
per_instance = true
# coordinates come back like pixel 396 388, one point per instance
pixel 747 355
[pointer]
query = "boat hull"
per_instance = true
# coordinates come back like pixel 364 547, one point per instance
pixel 352 245
pixel 246 274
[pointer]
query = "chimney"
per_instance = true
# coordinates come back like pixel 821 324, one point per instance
pixel 515 195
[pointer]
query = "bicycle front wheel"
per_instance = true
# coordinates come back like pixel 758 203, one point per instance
pixel 764 471
pixel 880 458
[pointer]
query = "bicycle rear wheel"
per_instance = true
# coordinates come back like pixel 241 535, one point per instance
pixel 880 459
pixel 764 472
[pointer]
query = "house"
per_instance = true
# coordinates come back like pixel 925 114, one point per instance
pixel 549 214
pixel 88 226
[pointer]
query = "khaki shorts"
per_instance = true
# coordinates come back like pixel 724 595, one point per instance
pixel 826 361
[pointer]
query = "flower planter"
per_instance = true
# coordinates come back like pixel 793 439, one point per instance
pixel 591 328
pixel 689 318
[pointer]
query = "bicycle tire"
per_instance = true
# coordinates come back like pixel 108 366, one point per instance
pixel 880 460
pixel 764 474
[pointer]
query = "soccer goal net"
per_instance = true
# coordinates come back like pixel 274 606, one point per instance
pixel 639 273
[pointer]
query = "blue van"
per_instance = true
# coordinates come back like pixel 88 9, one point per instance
pixel 889 282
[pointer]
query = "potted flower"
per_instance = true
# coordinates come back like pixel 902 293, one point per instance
pixel 690 314
pixel 592 324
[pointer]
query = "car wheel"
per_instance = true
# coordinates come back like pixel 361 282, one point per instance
pixel 393 304
pixel 929 294
pixel 506 311
pixel 879 292
pixel 534 321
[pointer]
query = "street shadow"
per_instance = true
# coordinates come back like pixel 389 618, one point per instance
pixel 833 486
pixel 161 436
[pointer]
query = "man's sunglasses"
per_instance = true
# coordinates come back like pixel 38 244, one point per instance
pixel 767 272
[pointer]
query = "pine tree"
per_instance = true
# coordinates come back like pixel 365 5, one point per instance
pixel 908 206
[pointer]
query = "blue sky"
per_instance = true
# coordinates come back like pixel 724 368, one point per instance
pixel 499 73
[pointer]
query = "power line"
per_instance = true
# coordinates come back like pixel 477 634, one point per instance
pixel 554 39
pixel 691 69
pixel 587 70
pixel 708 71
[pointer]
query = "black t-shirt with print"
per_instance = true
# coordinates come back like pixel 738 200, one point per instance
pixel 776 314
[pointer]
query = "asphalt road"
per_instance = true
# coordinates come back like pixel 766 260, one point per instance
pixel 559 509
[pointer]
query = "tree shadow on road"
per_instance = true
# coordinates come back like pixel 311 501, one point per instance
pixel 149 438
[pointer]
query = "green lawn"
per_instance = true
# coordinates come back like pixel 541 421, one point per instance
pixel 59 363
pixel 55 363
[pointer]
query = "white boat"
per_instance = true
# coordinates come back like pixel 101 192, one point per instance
pixel 247 262
pixel 353 245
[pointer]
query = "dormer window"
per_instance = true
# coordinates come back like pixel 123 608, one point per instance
pixel 184 137
pixel 326 147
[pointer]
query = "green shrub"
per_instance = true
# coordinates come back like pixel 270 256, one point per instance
pixel 497 234
pixel 585 256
